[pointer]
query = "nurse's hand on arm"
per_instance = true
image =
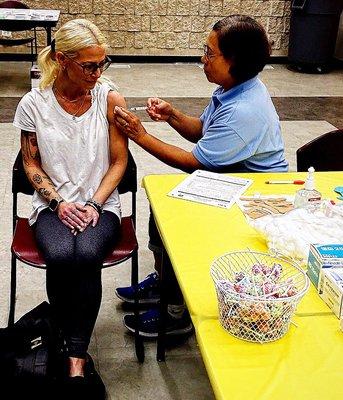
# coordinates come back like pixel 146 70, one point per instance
pixel 188 127
pixel 71 214
pixel 174 156
pixel 118 157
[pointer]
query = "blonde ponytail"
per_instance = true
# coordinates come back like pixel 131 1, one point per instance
pixel 48 66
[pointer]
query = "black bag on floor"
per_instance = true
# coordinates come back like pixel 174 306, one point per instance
pixel 30 352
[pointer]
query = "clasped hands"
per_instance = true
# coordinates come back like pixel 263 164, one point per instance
pixel 130 124
pixel 77 217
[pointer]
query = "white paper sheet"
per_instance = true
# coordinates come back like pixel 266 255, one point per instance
pixel 29 14
pixel 211 188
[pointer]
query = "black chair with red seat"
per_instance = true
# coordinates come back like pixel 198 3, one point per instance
pixel 23 26
pixel 323 153
pixel 24 247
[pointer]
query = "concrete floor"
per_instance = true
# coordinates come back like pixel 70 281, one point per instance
pixel 183 375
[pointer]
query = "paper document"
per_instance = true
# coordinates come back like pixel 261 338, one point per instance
pixel 29 14
pixel 211 188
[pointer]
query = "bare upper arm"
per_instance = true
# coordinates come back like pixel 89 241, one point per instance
pixel 118 141
pixel 114 99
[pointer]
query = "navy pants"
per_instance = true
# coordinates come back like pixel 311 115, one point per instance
pixel 173 291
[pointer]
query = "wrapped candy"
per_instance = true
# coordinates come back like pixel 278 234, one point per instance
pixel 247 316
pixel 257 294
pixel 239 276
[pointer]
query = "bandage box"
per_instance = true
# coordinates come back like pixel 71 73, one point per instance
pixel 321 257
pixel 330 289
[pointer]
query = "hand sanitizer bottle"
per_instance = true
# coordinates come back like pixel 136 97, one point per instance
pixel 308 195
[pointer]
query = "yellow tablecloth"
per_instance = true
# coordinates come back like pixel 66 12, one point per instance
pixel 305 364
pixel 194 234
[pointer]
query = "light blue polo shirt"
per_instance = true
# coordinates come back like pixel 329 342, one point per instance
pixel 241 127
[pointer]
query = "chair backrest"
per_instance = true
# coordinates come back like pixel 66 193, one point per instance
pixel 129 180
pixel 13 4
pixel 323 153
pixel 21 184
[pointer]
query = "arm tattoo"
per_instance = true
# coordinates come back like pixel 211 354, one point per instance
pixel 37 178
pixel 33 141
pixel 30 152
pixel 44 192
pixel 29 147
pixel 36 155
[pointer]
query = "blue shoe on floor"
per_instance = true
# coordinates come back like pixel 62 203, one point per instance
pixel 149 324
pixel 148 291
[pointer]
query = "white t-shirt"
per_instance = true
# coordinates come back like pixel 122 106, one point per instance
pixel 74 151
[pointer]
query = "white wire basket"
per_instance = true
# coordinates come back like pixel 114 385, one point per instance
pixel 257 294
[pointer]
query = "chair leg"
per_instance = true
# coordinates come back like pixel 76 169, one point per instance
pixel 13 290
pixel 139 345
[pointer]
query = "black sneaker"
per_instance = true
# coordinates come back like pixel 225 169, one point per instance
pixel 95 384
pixel 148 291
pixel 149 324
pixel 87 387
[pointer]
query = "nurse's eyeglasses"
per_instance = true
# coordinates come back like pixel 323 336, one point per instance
pixel 208 54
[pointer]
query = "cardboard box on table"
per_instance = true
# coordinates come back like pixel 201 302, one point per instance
pixel 330 289
pixel 322 257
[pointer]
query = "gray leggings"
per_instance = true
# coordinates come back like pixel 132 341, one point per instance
pixel 73 278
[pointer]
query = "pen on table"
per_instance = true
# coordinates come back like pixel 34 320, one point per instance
pixel 296 182
pixel 137 108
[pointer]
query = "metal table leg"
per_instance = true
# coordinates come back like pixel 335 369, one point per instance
pixel 161 339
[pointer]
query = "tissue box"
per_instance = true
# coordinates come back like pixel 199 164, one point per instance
pixel 323 256
pixel 331 289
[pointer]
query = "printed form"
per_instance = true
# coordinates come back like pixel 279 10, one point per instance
pixel 211 188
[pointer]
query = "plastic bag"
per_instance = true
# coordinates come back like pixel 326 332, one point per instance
pixel 292 233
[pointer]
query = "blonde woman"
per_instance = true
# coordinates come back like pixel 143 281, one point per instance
pixel 74 156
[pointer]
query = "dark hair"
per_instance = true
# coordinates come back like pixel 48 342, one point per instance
pixel 244 42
